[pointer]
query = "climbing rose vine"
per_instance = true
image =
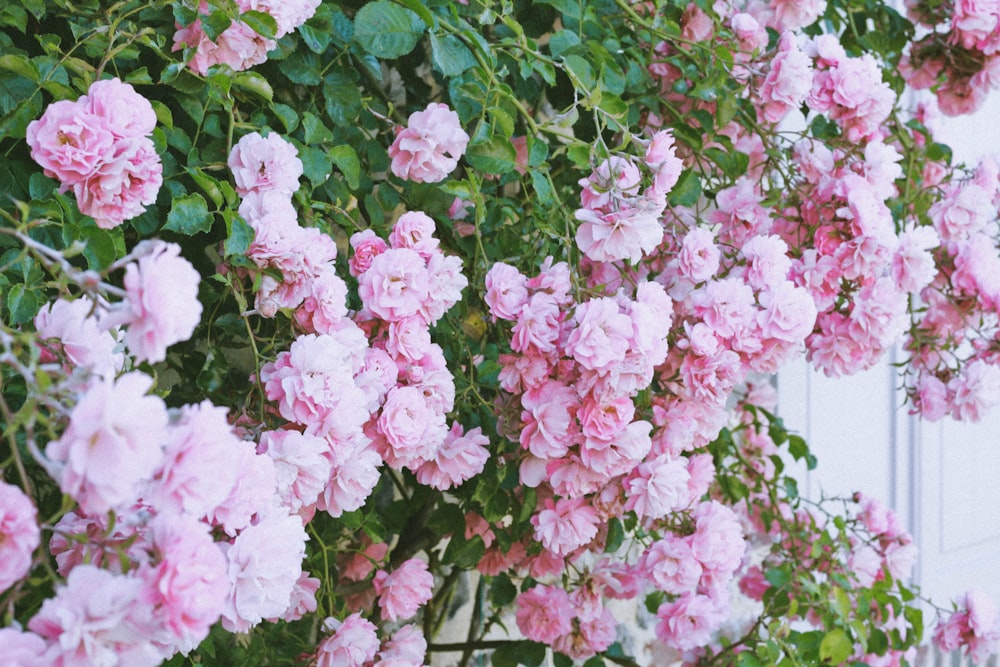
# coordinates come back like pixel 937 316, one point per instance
pixel 401 333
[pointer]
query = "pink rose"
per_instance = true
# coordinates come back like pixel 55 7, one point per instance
pixel 405 590
pixel 162 306
pixel 414 230
pixel 395 285
pixel 352 644
pixel 428 149
pixel 262 164
pixel 544 613
pixel 114 441
pixel 19 534
pixel 69 142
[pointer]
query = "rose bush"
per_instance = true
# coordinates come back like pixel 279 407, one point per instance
pixel 320 319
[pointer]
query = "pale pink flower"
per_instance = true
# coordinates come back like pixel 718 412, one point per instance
pixel 688 622
pixel 187 586
pixel 78 538
pixel 313 383
pixel 114 442
pixel 544 613
pixel 717 542
pixel 789 313
pixel 264 563
pixel 288 14
pixel 254 493
pixel 352 480
pixel 77 333
pixel 197 473
pixel 768 262
pixel 671 566
pixel 963 212
pixel 407 644
pixel 974 626
pixel 262 164
pixel 565 525
pixel 239 46
pixel 788 82
pixel 793 14
pixel 445 283
pixel 127 113
pixel 658 487
pixel 428 149
pixel 161 306
pixel 414 230
pixel 506 291
pixel 974 390
pixel 97 618
pixel 601 336
pixel 913 266
pixel 123 185
pixel 301 466
pixel 631 231
pixel 303 600
pixel 352 644
pixel 22 648
pixel 19 534
pixel 70 142
pixel 661 156
pixel 402 592
pixel 395 285
pixel 460 457
pixel 538 325
pixel 698 258
pixel 412 429
pixel 547 418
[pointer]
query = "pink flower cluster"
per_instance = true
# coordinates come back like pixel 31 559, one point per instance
pixel 153 582
pixel 619 219
pixel 239 46
pixel 974 626
pixel 266 171
pixel 353 642
pixel 428 148
pixel 19 534
pixel 951 344
pixel 959 60
pixel 100 146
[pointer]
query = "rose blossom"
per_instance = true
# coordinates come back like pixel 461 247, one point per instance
pixel 405 590
pixel 352 644
pixel 19 534
pixel 161 306
pixel 395 285
pixel 114 441
pixel 428 149
pixel 544 613
pixel 264 164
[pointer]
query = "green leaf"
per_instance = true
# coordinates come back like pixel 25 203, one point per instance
pixel 450 56
pixel 687 191
pixel 464 554
pixel 836 647
pixel 616 535
pixel 502 591
pixel 22 304
pixel 493 155
pixel 20 65
pixel 315 132
pixel 387 30
pixel 215 24
pixel 347 161
pixel 254 83
pixel 189 215
pixel 240 236
pixel 261 23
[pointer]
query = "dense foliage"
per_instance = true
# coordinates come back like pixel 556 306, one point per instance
pixel 328 326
